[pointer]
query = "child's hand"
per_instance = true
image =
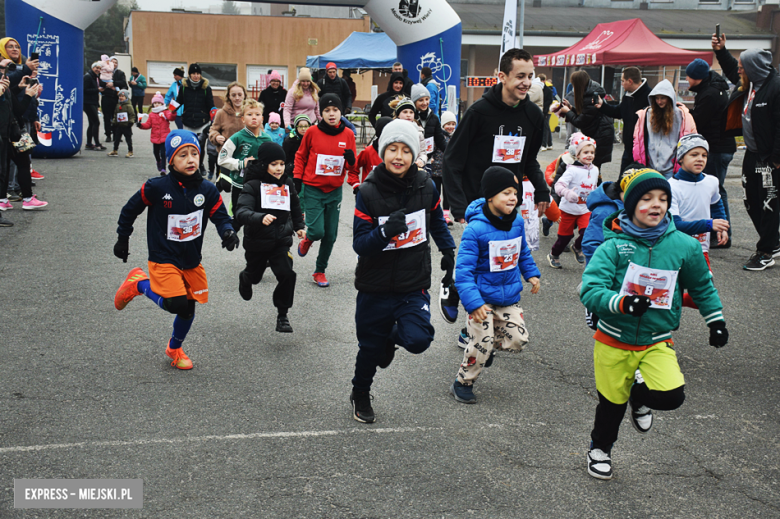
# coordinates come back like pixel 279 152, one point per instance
pixel 480 314
pixel 570 196
pixel 268 219
pixel 420 163
pixel 723 237
pixel 301 234
pixel 719 225
pixel 535 285
pixel 220 139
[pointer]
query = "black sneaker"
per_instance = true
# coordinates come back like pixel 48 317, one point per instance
pixel 89 146
pixel 5 222
pixel 759 261
pixel 283 324
pixel 599 463
pixel 388 355
pixel 245 287
pixel 554 261
pixel 448 303
pixel 13 196
pixel 361 406
pixel 463 393
pixel 546 224
pixel 578 254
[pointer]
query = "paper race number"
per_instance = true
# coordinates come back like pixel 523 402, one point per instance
pixel 329 165
pixel 504 254
pixel 415 234
pixel 508 149
pixel 657 284
pixel 428 145
pixel 274 197
pixel 185 227
pixel 121 117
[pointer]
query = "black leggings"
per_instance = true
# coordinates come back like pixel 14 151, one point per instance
pixel 93 130
pixel 109 106
pixel 22 161
pixel 127 133
pixel 159 155
pixel 138 105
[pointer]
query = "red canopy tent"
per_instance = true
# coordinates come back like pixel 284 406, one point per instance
pixel 625 42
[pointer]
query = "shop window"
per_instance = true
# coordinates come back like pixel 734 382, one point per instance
pixel 160 73
pixel 219 75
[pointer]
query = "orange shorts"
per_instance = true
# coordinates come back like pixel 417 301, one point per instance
pixel 566 227
pixel 168 280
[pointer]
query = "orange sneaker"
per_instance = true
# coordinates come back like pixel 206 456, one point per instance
pixel 129 289
pixel 180 359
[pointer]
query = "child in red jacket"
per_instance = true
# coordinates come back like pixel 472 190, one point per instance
pixel 368 159
pixel 158 120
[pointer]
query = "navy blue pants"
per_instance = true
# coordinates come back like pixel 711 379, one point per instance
pixel 405 318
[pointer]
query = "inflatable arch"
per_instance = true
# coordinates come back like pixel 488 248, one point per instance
pixel 426 32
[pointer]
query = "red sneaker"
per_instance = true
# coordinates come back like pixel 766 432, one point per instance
pixel 304 246
pixel 180 359
pixel 35 175
pixel 320 279
pixel 129 289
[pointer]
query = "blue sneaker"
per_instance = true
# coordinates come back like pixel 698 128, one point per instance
pixel 448 303
pixel 463 339
pixel 462 393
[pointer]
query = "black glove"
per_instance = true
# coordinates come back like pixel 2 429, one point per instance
pixel 230 241
pixel 635 305
pixel 592 320
pixel 349 156
pixel 298 183
pixel 122 248
pixel 447 265
pixel 139 124
pixel 223 185
pixel 719 335
pixel 395 224
pixel 356 189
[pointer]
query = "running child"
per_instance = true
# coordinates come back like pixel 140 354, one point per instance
pixel 396 210
pixel 274 128
pixel 123 121
pixel 159 121
pixel 634 283
pixel 319 174
pixel 492 256
pixel 405 110
pixel 369 158
pixel 180 206
pixel 574 186
pixel 270 212
pixel 291 144
pixel 448 123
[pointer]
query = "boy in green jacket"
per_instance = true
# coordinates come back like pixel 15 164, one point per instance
pixel 634 282
pixel 123 121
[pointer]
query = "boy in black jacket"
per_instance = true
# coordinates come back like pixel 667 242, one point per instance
pixel 395 209
pixel 269 209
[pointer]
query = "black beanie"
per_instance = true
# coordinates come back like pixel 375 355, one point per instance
pixel 178 72
pixel 194 69
pixel 330 100
pixel 269 152
pixel 496 179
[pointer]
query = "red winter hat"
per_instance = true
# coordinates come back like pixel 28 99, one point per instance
pixel 330 66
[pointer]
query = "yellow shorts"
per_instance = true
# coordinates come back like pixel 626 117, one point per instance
pixel 615 368
pixel 168 280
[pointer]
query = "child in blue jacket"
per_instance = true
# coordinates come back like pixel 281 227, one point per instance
pixel 493 254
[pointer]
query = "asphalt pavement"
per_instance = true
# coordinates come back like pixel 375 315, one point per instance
pixel 261 427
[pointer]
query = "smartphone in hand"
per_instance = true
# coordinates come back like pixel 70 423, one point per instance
pixel 717 31
pixel 33 56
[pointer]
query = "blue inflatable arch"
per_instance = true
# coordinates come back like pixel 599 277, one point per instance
pixel 426 32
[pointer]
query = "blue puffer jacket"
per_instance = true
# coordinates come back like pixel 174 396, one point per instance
pixel 600 206
pixel 475 283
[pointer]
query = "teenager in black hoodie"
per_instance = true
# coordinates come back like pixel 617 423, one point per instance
pixel 504 110
pixel 381 106
pixel 270 212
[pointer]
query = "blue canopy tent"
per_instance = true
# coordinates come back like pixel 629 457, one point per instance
pixel 361 50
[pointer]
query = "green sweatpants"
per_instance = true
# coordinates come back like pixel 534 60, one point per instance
pixel 322 220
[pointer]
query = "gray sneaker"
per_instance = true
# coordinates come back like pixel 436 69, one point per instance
pixel 555 261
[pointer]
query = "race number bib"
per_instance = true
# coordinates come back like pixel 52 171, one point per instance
pixel 275 197
pixel 121 117
pixel 656 284
pixel 508 149
pixel 530 216
pixel 414 235
pixel 185 227
pixel 329 165
pixel 765 170
pixel 504 254
pixel 704 239
pixel 428 145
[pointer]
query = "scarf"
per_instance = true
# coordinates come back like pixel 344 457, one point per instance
pixel 502 224
pixel 330 130
pixel 188 181
pixel 650 234
pixel 194 84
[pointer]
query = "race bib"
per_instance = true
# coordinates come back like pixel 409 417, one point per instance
pixel 765 170
pixel 428 147
pixel 329 165
pixel 185 227
pixel 530 216
pixel 415 234
pixel 704 239
pixel 508 149
pixel 504 254
pixel 121 117
pixel 656 284
pixel 275 197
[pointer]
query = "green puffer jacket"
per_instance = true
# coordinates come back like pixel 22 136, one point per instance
pixel 603 278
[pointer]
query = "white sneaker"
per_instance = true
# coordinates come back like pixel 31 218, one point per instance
pixel 599 463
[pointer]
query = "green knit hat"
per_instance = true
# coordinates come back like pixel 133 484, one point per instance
pixel 636 184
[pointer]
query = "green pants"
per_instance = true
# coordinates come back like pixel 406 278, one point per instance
pixel 322 220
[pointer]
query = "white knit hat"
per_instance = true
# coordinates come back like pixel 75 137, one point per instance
pixel 578 141
pixel 400 131
pixel 419 91
pixel 448 117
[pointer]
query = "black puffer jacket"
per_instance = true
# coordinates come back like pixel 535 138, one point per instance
pixel 197 103
pixel 91 89
pixel 593 123
pixel 339 87
pixel 250 212
pixel 292 142
pixel 627 109
pixel 712 98
pixel 381 106
pixel 272 102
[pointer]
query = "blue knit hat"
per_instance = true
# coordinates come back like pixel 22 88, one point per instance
pixel 177 139
pixel 697 69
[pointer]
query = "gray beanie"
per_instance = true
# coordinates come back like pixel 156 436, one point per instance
pixel 400 131
pixel 419 91
pixel 690 141
pixel 125 93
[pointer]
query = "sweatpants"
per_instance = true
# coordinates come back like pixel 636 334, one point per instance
pixel 93 130
pixel 322 221
pixel 503 330
pixel 760 182
pixel 281 263
pixel 404 319
pixel 159 156
pixel 127 133
pixel 663 388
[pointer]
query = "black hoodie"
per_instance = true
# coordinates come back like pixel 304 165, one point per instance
pixel 470 151
pixel 712 98
pixel 381 106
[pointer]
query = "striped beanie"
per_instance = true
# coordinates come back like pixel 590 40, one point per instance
pixel 635 185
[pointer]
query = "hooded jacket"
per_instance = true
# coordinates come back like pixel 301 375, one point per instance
pixel 601 203
pixel 226 123
pixel 160 124
pixel 712 98
pixel 476 284
pixel 337 86
pixel 764 111
pixel 196 102
pixel 470 150
pixel 627 110
pixel 125 107
pixel 381 106
pixel 593 123
pixel 272 100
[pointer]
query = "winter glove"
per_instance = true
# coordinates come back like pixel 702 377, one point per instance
pixel 223 185
pixel 395 224
pixel 570 195
pixel 592 320
pixel 122 248
pixel 447 265
pixel 298 183
pixel 356 189
pixel 349 156
pixel 230 241
pixel 719 335
pixel 635 305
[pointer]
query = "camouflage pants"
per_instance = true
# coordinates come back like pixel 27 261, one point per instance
pixel 503 330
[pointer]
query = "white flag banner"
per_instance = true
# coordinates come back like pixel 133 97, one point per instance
pixel 508 29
